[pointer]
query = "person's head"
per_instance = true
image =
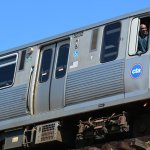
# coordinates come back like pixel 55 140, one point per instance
pixel 143 29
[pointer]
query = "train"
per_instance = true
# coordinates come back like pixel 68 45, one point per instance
pixel 85 85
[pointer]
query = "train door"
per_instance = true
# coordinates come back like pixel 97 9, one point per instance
pixel 137 62
pixel 51 76
pixel 41 102
pixel 59 75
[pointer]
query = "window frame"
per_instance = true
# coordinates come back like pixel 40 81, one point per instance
pixel 7 64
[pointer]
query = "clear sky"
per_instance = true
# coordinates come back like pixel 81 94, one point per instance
pixel 26 21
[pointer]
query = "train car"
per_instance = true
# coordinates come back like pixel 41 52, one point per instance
pixel 89 83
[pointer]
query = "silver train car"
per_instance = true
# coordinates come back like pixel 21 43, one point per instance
pixel 60 86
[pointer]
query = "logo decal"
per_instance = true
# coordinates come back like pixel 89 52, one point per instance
pixel 136 71
pixel 75 53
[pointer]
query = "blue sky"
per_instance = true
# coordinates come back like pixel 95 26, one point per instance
pixel 26 21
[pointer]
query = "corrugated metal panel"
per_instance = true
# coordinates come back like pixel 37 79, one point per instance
pixel 13 102
pixel 95 82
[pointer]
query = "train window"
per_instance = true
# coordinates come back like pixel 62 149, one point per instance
pixel 22 61
pixel 94 40
pixel 62 61
pixel 139 36
pixel 110 44
pixel 45 65
pixel 143 36
pixel 7 70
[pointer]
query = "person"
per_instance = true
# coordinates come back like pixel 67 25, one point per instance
pixel 142 39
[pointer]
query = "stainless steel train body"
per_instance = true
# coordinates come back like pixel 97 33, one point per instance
pixel 91 68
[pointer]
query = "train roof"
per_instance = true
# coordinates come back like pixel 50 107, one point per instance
pixel 146 10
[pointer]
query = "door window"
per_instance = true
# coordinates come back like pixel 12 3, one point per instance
pixel 62 61
pixel 45 65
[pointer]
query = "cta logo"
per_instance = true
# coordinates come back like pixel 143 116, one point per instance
pixel 136 71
